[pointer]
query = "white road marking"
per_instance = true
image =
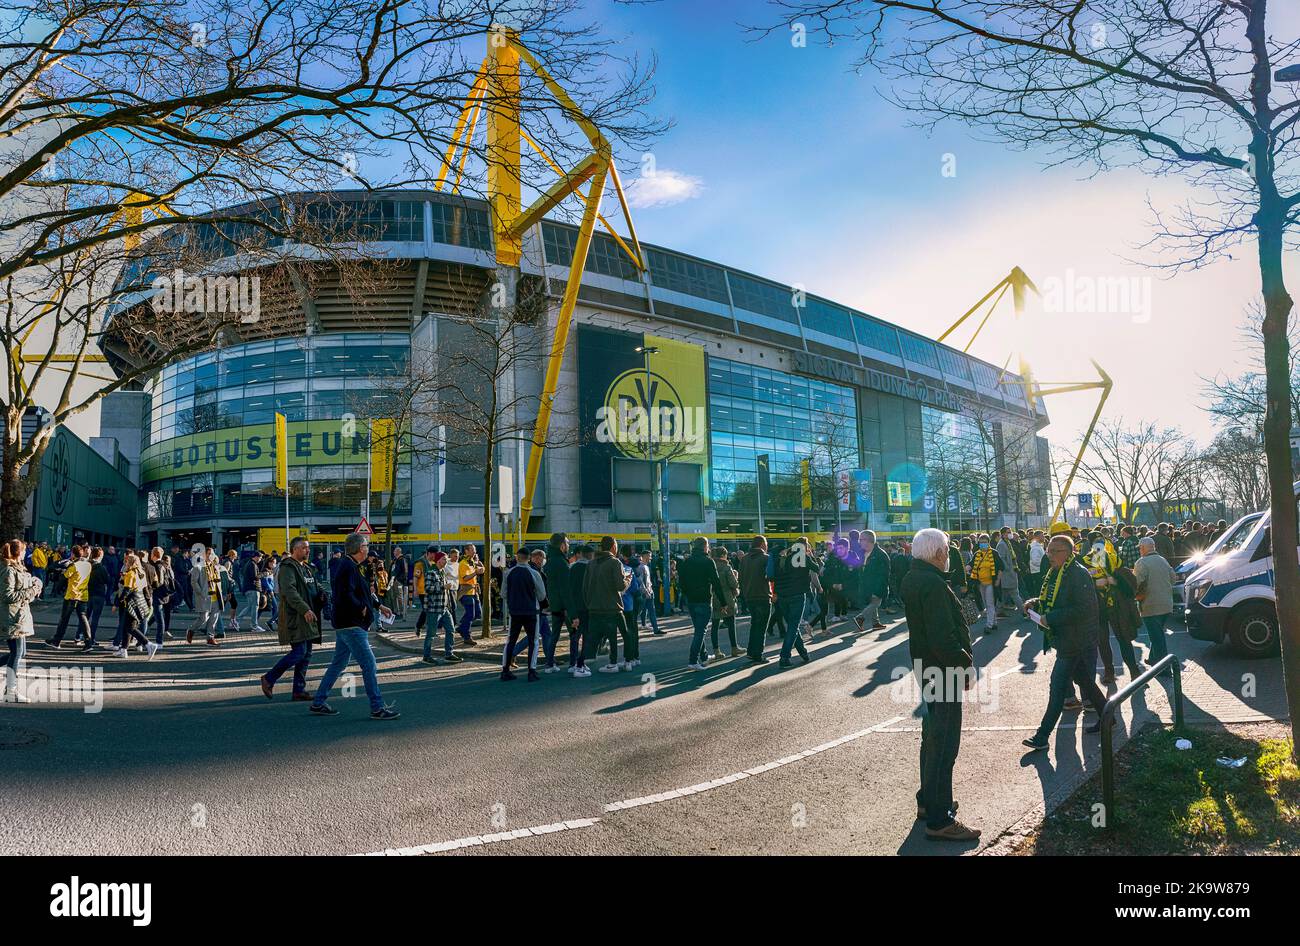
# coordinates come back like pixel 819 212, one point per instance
pixel 755 770
pixel 480 839
pixel 475 840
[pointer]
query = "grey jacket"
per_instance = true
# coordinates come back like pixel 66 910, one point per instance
pixel 18 589
pixel 203 603
pixel 730 588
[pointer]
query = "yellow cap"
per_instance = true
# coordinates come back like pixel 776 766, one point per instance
pixel 1058 528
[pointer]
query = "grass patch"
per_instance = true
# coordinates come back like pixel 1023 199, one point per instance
pixel 1172 801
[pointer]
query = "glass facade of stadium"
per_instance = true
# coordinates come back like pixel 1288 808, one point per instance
pixel 859 422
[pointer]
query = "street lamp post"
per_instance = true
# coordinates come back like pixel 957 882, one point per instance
pixel 656 502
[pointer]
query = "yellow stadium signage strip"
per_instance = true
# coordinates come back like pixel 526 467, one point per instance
pixel 272 539
pixel 310 443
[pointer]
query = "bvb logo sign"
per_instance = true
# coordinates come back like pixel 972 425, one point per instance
pixel 644 421
pixel 60 473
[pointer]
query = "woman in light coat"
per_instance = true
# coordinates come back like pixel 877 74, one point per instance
pixel 135 596
pixel 205 585
pixel 18 589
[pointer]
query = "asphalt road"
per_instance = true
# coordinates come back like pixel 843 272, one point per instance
pixel 187 757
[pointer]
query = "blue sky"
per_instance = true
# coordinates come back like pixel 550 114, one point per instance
pixel 806 175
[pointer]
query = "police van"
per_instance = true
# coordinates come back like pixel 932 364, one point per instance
pixel 1230 597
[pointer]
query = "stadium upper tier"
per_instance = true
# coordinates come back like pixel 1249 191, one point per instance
pixel 435 254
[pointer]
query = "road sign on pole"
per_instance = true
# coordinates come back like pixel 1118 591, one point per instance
pixel 363 527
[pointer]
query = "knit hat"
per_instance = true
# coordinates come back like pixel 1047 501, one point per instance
pixel 1059 528
pixel 439 557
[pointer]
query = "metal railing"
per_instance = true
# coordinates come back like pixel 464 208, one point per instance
pixel 1107 719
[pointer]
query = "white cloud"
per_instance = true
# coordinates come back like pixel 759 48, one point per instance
pixel 663 188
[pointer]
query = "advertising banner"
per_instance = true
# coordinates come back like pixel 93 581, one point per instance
pixel 648 405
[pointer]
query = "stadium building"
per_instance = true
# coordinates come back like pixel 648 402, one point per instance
pixel 791 412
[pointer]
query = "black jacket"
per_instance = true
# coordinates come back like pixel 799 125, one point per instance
pixel 697 577
pixel 556 571
pixel 1073 618
pixel 753 576
pixel 353 602
pixel 875 574
pixel 577 601
pixel 936 633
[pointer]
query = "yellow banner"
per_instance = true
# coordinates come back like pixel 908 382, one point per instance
pixel 281 452
pixel 383 454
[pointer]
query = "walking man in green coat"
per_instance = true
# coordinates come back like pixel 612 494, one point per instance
pixel 299 621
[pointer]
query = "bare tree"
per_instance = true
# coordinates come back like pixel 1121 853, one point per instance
pixel 1173 469
pixel 1173 86
pixel 1235 468
pixel 834 452
pixel 481 383
pixel 1240 400
pixel 123 121
pixel 1123 462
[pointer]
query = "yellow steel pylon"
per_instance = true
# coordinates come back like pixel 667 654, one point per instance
pixel 1018 282
pixel 496 89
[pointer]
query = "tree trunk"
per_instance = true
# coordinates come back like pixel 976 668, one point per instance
pixel 13 503
pixel 485 596
pixel 1277 445
pixel 15 486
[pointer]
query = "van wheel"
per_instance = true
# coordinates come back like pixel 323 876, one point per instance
pixel 1253 630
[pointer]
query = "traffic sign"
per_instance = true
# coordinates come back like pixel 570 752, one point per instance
pixel 363 527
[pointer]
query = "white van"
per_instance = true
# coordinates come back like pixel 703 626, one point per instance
pixel 1231 595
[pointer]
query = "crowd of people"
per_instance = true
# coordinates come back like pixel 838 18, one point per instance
pixel 1081 588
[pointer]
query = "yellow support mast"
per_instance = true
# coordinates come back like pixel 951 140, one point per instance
pixel 1019 284
pixel 496 89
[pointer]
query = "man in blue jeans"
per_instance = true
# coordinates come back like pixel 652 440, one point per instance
pixel 698 582
pixel 645 595
pixel 1070 617
pixel 791 574
pixel 353 613
pixel 1155 593
pixel 433 603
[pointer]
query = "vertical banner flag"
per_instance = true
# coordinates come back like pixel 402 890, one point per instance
pixel 805 486
pixel 383 455
pixel 763 468
pixel 281 452
pixel 844 487
pixel 862 490
pixel 442 459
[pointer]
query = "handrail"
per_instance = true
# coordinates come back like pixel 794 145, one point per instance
pixel 1108 716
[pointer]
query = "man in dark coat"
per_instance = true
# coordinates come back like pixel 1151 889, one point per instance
pixel 756 592
pixel 875 581
pixel 354 606
pixel 577 613
pixel 1069 612
pixel 299 626
pixel 940 648
pixel 556 571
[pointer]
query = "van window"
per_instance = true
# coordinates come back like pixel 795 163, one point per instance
pixel 1238 536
